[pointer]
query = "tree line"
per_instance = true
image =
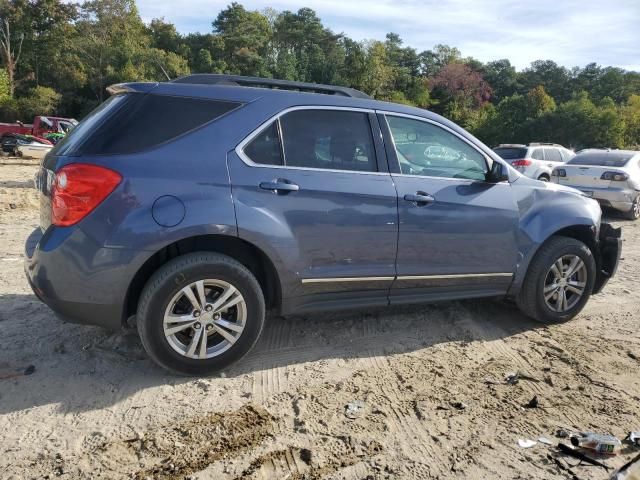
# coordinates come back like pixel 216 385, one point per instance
pixel 59 57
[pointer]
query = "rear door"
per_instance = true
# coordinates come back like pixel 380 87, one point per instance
pixel 457 232
pixel 309 190
pixel 553 157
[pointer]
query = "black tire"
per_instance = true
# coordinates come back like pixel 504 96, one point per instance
pixel 531 300
pixel 634 213
pixel 543 178
pixel 168 281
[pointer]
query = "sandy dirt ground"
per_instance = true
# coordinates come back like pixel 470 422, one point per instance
pixel 430 380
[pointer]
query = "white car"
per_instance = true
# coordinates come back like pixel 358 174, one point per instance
pixel 536 160
pixel 610 176
pixel 32 148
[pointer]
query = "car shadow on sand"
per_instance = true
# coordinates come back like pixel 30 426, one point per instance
pixel 83 368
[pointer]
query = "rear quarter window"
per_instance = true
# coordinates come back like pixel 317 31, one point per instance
pixel 135 122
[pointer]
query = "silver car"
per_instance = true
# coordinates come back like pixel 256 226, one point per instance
pixel 536 160
pixel 610 176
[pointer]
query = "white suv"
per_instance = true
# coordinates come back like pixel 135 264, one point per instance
pixel 536 160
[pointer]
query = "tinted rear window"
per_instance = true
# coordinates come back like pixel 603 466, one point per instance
pixel 604 159
pixel 511 153
pixel 134 122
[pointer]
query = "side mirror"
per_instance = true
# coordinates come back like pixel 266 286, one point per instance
pixel 497 174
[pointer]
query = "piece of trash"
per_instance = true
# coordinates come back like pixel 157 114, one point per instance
pixel 580 456
pixel 545 440
pixel 604 444
pixel 512 378
pixel 561 433
pixel 13 206
pixel 526 443
pixel 632 355
pixel 354 409
pixel 634 437
pixel 459 405
pixel 491 381
pixel 533 403
pixel 17 373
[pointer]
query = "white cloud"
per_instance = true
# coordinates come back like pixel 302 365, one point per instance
pixel 571 32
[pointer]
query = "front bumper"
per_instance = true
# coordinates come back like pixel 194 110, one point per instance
pixel 79 280
pixel 608 255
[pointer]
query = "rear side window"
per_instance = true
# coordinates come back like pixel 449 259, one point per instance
pixel 511 153
pixel 323 139
pixel 537 154
pixel 134 122
pixel 553 155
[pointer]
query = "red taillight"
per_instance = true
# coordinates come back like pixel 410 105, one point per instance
pixel 77 189
pixel 521 163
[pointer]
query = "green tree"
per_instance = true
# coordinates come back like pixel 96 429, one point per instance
pixel 245 37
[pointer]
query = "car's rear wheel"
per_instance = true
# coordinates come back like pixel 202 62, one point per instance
pixel 634 212
pixel 199 313
pixel 559 281
pixel 543 178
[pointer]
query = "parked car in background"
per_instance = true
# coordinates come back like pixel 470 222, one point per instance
pixel 536 160
pixel 610 176
pixel 40 126
pixel 299 198
pixel 25 145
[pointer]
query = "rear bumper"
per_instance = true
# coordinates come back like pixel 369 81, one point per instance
pixel 79 280
pixel 619 199
pixel 609 251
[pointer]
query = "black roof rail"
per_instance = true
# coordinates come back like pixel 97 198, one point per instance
pixel 239 80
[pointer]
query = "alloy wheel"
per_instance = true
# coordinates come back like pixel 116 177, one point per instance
pixel 565 283
pixel 205 318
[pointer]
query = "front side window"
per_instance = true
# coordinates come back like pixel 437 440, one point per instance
pixel 428 150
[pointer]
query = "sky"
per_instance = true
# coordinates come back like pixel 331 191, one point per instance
pixel 570 32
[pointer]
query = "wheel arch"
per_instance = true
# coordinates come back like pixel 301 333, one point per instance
pixel 246 253
pixel 586 233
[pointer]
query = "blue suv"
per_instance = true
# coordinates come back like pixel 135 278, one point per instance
pixel 194 206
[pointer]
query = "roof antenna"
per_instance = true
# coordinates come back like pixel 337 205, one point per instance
pixel 162 68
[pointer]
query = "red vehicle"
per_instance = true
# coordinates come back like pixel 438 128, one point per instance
pixel 41 126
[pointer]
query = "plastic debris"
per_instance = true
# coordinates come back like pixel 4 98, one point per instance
pixel 533 403
pixel 512 378
pixel 561 433
pixel 526 443
pixel 580 456
pixel 354 409
pixel 545 440
pixel 634 437
pixel 604 444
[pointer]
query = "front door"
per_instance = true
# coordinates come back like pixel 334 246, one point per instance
pixel 308 190
pixel 457 235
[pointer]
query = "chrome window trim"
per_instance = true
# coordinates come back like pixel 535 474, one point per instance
pixel 240 147
pixel 346 279
pixel 405 277
pixel 487 159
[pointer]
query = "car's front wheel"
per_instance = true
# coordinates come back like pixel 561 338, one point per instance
pixel 199 313
pixel 559 281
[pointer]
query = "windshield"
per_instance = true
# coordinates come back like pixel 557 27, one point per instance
pixel 603 159
pixel 511 153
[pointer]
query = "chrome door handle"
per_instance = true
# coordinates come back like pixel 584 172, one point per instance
pixel 280 186
pixel 419 198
